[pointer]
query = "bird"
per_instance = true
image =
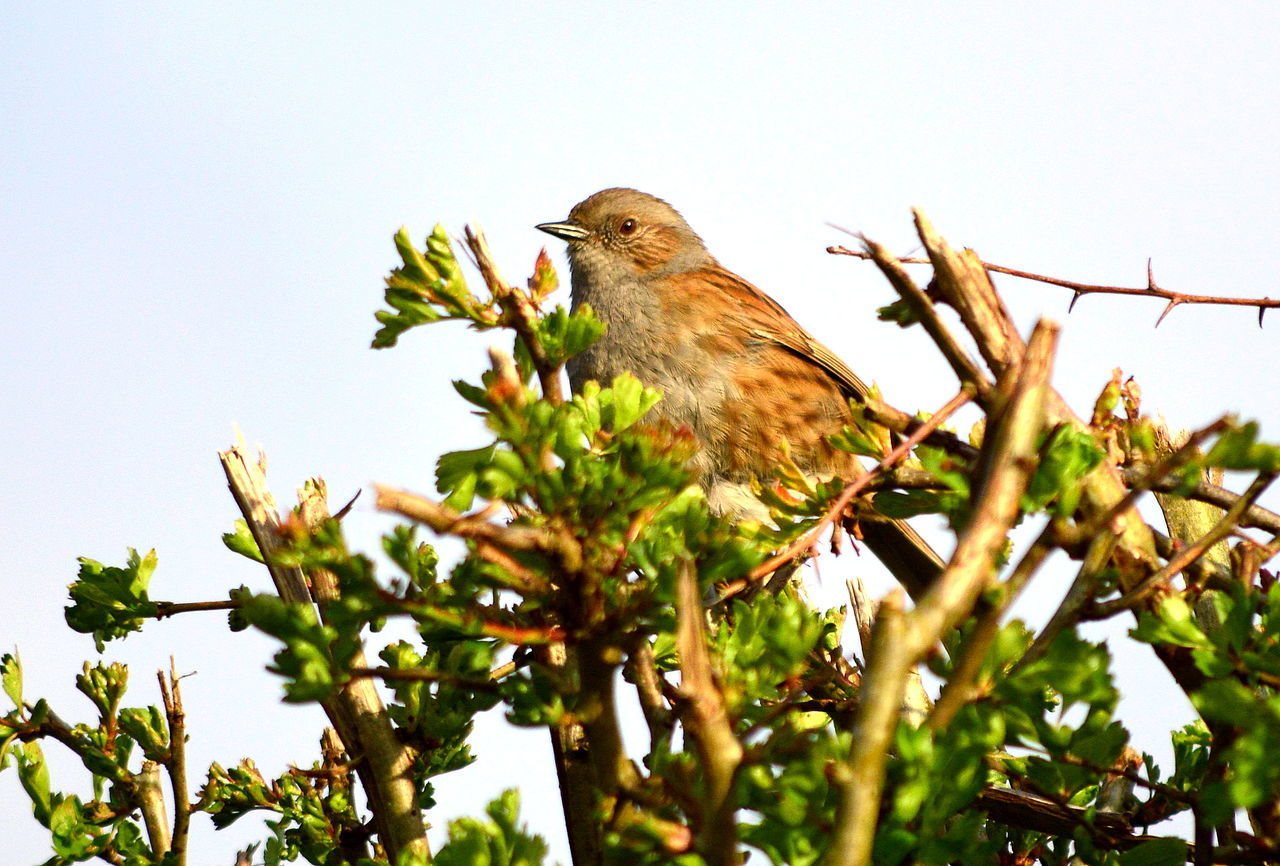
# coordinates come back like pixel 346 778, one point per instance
pixel 732 365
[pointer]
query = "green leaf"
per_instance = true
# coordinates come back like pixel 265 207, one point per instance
pixel 564 334
pixel 33 773
pixel 149 728
pixel 953 503
pixel 11 677
pixel 1066 457
pixel 902 504
pixel 1212 663
pixel 111 602
pixel 1239 449
pixel 307 660
pixel 1157 852
pixel 71 837
pixel 457 473
pixel 625 402
pixel 1255 775
pixel 499 841
pixel 1190 756
pixel 1226 701
pixel 899 312
pixel 235 619
pixel 428 287
pixel 240 540
pixel 418 560
pixel 104 685
pixel 1173 622
pixel 858 440
pixel 411 310
pixel 473 394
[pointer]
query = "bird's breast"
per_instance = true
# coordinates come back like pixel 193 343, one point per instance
pixel 643 340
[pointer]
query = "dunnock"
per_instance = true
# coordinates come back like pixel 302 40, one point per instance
pixel 731 363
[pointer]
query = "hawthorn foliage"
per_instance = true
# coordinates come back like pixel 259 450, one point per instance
pixel 593 564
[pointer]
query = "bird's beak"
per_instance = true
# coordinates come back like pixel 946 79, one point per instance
pixel 566 231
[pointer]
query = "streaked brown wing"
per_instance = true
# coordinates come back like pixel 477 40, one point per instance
pixel 806 346
pixel 772 415
pixel 767 320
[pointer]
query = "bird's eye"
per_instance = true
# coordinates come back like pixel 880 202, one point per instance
pixel 627 226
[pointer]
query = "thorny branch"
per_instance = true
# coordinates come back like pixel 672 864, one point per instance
pixel 1151 290
pixel 1107 531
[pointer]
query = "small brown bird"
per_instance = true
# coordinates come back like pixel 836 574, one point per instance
pixel 731 363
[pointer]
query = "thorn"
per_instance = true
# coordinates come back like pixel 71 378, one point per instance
pixel 342 512
pixel 1169 308
pixel 1151 280
pixel 1262 311
pixel 1075 296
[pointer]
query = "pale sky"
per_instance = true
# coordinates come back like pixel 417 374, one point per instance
pixel 196 211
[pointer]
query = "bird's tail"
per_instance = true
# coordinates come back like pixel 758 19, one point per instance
pixel 909 558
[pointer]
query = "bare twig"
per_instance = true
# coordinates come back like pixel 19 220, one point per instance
pixel 963 282
pixel 966 369
pixel 1174 459
pixel 902 423
pixel 1011 444
pixel 586 755
pixel 176 763
pixel 961 687
pixel 1044 815
pixel 502 671
pixel 641 671
pixel 960 281
pixel 1225 527
pixel 422 675
pixel 1187 520
pixel 386 771
pixel 860 781
pixel 1078 290
pixel 597 660
pixel 706 722
pixel 1211 494
pixel 173 608
pixel 1201 572
pixel 521 313
pixel 575 772
pixel 446 521
pixel 864 613
pixel 247 479
pixel 151 803
pixel 1075 604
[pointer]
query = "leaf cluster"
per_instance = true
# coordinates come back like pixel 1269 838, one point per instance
pixel 593 563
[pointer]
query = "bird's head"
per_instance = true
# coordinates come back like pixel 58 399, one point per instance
pixel 620 234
